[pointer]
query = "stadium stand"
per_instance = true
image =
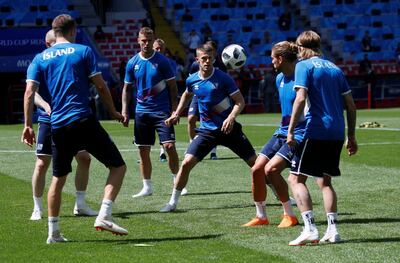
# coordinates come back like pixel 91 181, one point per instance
pixel 120 44
pixel 34 13
pixel 342 24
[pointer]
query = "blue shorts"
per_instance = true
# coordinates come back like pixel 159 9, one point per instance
pixel 317 158
pixel 206 140
pixel 43 142
pixel 194 106
pixel 277 146
pixel 146 126
pixel 88 134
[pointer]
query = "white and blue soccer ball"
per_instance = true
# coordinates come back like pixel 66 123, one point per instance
pixel 234 56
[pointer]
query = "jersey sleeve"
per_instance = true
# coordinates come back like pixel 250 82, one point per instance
pixel 33 71
pixel 229 84
pixel 91 63
pixel 166 69
pixel 129 77
pixel 345 85
pixel 301 79
pixel 189 87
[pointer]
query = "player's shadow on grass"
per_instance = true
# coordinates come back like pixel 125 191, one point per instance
pixel 126 215
pixel 219 193
pixel 227 207
pixel 153 240
pixel 373 240
pixel 223 158
pixel 369 220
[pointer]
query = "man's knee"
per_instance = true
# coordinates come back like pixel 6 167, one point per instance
pixel 293 179
pixel 192 120
pixel 271 171
pixel 169 147
pixel 257 170
pixel 83 158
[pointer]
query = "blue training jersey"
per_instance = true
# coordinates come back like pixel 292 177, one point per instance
pixel 65 69
pixel 213 94
pixel 287 96
pixel 326 85
pixel 149 75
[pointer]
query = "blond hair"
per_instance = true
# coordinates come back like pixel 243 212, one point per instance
pixel 144 31
pixel 309 43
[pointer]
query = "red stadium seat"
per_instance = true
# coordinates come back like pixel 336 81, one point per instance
pixel 119 52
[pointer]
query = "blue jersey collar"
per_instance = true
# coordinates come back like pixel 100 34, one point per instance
pixel 200 77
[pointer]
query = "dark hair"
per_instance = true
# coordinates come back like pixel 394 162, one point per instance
pixel 286 49
pixel 62 24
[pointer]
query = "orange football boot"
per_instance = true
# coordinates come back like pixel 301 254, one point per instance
pixel 257 222
pixel 288 221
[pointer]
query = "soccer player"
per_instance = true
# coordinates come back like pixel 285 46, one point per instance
pixel 157 96
pixel 276 155
pixel 43 156
pixel 220 102
pixel 323 86
pixel 66 69
pixel 159 46
pixel 193 111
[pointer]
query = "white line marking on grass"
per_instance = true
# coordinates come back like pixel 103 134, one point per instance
pixel 17 151
pixel 185 148
pixel 378 143
pixel 274 125
pixel 380 129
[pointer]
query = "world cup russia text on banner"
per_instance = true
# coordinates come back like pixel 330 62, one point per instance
pixel 18 46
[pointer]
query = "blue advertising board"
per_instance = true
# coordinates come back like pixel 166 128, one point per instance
pixel 18 46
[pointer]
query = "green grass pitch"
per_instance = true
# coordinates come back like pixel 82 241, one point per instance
pixel 206 227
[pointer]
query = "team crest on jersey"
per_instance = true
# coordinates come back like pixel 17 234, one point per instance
pixel 196 87
pixel 214 85
pixel 155 66
pixel 136 68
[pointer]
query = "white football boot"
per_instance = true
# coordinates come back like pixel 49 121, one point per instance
pixel 108 224
pixel 84 211
pixel 184 191
pixel 330 237
pixel 144 192
pixel 36 215
pixel 168 208
pixel 56 237
pixel 305 237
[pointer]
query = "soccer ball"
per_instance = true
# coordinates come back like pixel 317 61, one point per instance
pixel 233 56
